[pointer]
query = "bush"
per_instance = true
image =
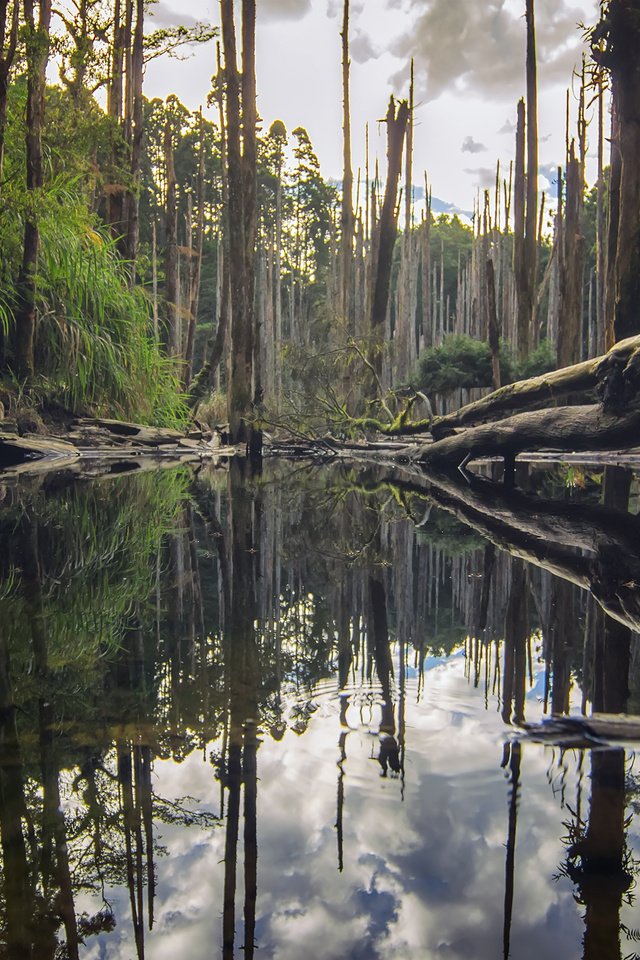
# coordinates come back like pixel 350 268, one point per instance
pixel 462 361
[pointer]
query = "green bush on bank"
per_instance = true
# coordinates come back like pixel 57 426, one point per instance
pixel 462 361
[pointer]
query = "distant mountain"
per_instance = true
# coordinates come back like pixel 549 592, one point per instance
pixel 437 205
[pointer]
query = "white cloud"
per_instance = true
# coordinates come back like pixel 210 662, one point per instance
pixel 480 47
pixel 469 145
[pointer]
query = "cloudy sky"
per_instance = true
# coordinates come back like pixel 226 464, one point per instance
pixel 469 67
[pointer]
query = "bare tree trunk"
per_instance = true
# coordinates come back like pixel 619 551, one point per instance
pixel 571 266
pixel 171 247
pixel 531 233
pixel 602 342
pixel 196 263
pixel 250 208
pixel 620 32
pixel 388 225
pixel 493 324
pixel 118 106
pixel 37 43
pixel 241 176
pixel 347 217
pixel 519 237
pixel 137 67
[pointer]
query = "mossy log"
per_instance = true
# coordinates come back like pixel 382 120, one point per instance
pixel 613 374
pixel 589 427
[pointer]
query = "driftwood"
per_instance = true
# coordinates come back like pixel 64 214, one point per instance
pixel 20 454
pixel 562 428
pixel 101 447
pixel 580 378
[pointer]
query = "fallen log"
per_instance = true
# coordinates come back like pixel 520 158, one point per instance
pixel 601 372
pixel 589 427
pixel 20 454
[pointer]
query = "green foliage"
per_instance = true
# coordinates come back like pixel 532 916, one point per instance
pixel 462 361
pixel 541 360
pixel 451 241
pixel 94 348
pixel 97 541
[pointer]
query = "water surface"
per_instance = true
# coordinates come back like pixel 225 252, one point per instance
pixel 282 717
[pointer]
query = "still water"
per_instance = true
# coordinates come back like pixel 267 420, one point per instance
pixel 282 716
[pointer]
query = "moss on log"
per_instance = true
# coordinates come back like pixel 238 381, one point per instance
pixel 589 427
pixel 602 371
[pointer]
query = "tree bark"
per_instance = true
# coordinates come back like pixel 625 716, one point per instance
pixel 616 41
pixel 549 387
pixel 241 359
pixel 196 263
pixel 531 219
pixel 519 235
pixel 388 225
pixel 37 58
pixel 346 216
pixel 562 428
pixel 8 43
pixel 174 344
pixel 132 200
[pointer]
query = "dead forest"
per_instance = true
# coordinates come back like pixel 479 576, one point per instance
pixel 261 297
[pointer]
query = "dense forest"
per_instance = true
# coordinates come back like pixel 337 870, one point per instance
pixel 158 264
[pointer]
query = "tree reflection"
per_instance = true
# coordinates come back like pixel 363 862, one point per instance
pixel 172 614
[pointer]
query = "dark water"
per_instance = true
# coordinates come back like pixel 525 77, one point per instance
pixel 281 717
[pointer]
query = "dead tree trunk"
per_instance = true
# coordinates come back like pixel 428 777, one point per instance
pixel 240 175
pixel 346 218
pixel 531 219
pixel 616 41
pixel 250 211
pixel 519 254
pixel 571 265
pixel 196 262
pixel 132 224
pixel 171 247
pixel 388 225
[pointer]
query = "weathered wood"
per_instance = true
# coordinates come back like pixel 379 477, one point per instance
pixel 549 387
pixel 562 428
pixel 21 454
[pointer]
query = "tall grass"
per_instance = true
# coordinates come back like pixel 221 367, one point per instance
pixel 95 349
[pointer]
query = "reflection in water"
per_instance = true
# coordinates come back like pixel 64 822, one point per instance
pixel 370 648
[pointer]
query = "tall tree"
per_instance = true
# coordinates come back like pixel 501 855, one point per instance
pixel 531 231
pixel 241 177
pixel 347 218
pixel 615 44
pixel 37 16
pixel 387 228
pixel 9 16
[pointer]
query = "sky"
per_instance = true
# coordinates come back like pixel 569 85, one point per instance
pixel 469 73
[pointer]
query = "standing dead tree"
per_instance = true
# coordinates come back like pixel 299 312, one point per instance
pixel 615 42
pixel 241 181
pixel 387 227
pixel 347 215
